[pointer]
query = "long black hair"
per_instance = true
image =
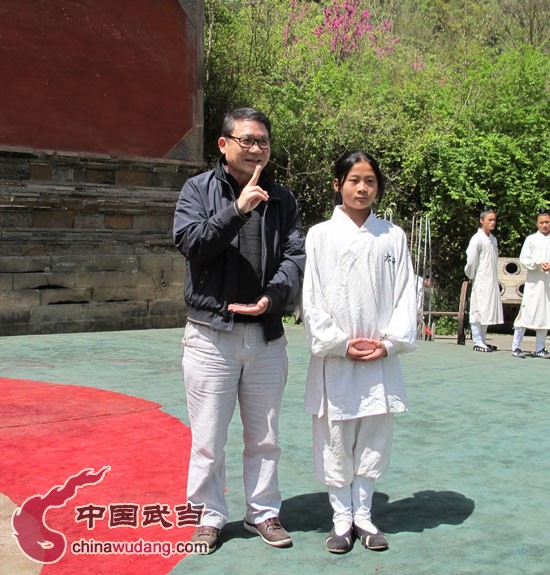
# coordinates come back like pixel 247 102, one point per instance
pixel 346 161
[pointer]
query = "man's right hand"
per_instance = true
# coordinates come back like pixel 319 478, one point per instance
pixel 251 195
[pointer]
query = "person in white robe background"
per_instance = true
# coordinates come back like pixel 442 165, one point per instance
pixel 481 268
pixel 359 311
pixel 534 312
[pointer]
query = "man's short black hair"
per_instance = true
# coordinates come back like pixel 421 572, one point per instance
pixel 486 211
pixel 244 114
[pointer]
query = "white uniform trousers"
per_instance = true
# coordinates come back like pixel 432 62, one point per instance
pixel 352 504
pixel 349 455
pixel 219 368
pixel 479 334
pixel 519 332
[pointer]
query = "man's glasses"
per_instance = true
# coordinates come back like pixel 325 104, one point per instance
pixel 263 143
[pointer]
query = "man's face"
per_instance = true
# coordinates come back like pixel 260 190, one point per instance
pixel 543 224
pixel 241 162
pixel 488 223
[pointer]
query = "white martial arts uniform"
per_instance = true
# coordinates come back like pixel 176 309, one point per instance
pixel 485 299
pixel 358 282
pixel 534 312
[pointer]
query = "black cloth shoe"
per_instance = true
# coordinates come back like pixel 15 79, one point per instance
pixel 492 347
pixel 339 543
pixel 206 534
pixel 483 349
pixel 271 531
pixel 374 541
pixel 544 353
pixel 518 353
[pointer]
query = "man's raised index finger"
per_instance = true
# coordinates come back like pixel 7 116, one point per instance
pixel 256 176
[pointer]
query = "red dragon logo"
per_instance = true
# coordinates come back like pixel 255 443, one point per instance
pixel 34 537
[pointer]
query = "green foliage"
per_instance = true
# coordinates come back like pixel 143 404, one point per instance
pixel 456 112
pixel 446 326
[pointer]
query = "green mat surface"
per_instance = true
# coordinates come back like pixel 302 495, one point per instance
pixel 467 491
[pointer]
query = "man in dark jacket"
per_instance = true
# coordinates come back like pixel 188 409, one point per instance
pixel 241 235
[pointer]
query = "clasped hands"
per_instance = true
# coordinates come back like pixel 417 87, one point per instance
pixel 366 349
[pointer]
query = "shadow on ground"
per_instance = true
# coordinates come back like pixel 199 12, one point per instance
pixel 424 510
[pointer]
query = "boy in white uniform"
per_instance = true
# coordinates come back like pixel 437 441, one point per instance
pixel 359 310
pixel 535 305
pixel 481 268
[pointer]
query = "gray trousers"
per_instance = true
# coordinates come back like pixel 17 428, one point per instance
pixel 220 368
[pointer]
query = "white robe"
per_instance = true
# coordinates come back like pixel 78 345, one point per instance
pixel 481 267
pixel 359 282
pixel 534 312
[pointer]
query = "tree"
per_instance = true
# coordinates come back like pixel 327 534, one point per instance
pixel 456 114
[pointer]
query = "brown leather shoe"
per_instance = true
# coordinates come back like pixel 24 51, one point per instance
pixel 271 531
pixel 206 534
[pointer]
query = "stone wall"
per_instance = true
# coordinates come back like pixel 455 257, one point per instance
pixel 86 243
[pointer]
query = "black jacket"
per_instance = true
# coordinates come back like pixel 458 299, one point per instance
pixel 206 227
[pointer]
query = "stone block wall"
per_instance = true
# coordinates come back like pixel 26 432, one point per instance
pixel 86 243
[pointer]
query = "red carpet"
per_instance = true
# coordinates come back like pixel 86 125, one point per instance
pixel 50 432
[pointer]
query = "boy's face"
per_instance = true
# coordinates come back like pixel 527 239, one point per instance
pixel 359 189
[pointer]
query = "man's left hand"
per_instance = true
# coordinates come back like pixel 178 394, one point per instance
pixel 257 308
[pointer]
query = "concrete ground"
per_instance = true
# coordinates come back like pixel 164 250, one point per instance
pixel 467 492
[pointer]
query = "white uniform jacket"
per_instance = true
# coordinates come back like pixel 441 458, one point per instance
pixel 358 282
pixel 481 267
pixel 535 305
